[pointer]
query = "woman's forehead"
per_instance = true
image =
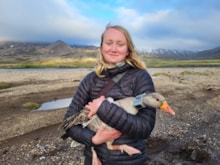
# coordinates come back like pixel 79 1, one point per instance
pixel 112 33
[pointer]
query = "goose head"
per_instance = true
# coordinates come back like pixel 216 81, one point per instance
pixel 157 101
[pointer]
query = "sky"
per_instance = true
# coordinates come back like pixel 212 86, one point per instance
pixel 172 24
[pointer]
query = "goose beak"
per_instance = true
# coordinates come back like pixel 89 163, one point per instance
pixel 165 107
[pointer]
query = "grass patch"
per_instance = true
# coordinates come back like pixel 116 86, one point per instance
pixel 31 105
pixel 70 62
pixel 4 85
pixel 181 63
pixel 54 63
pixel 90 62
pixel 208 73
pixel 161 74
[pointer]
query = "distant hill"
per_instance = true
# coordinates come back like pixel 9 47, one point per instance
pixel 16 48
pixel 57 48
pixel 209 54
pixel 60 48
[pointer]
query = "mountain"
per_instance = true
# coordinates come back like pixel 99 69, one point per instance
pixel 10 48
pixel 182 54
pixel 170 53
pixel 57 48
pixel 60 48
pixel 209 54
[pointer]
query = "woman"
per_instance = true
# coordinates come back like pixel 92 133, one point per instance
pixel 117 55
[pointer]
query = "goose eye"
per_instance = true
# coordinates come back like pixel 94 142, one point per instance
pixel 157 99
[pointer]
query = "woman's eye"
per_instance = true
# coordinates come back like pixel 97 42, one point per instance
pixel 121 44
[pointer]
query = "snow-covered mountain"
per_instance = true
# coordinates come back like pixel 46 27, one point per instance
pixel 182 54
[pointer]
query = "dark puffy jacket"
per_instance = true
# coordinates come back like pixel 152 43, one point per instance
pixel 135 128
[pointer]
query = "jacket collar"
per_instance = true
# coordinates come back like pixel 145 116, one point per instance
pixel 119 68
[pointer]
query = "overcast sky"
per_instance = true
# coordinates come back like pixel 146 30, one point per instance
pixel 175 24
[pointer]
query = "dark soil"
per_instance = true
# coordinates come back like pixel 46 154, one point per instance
pixel 192 137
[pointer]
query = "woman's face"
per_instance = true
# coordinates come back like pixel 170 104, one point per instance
pixel 114 47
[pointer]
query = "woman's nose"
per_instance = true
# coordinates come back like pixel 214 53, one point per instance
pixel 114 48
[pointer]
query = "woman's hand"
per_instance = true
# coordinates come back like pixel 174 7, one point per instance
pixel 94 106
pixel 103 135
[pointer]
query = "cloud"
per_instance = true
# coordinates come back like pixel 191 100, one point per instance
pixel 50 20
pixel 163 24
pixel 173 28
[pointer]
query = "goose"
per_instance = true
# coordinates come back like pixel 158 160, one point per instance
pixel 130 105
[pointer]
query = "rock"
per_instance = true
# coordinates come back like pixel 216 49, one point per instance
pixel 199 155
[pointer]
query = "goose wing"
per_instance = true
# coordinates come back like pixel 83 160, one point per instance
pixel 78 118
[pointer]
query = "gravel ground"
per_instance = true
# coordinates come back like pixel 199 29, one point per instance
pixel 189 138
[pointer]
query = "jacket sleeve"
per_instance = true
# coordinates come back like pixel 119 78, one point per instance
pixel 136 126
pixel 81 97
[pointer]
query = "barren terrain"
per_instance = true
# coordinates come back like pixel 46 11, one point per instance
pixel 32 137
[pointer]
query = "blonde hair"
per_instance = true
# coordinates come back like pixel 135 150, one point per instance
pixel 132 58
